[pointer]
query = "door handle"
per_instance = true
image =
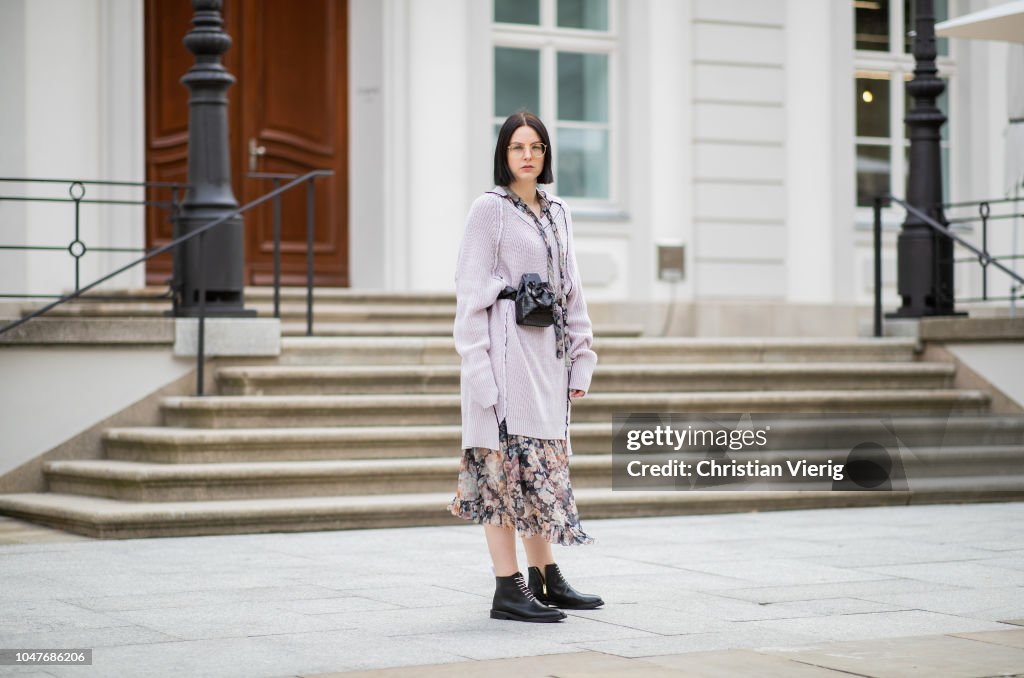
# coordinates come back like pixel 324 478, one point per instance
pixel 255 151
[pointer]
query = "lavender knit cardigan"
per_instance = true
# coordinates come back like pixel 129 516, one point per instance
pixel 511 371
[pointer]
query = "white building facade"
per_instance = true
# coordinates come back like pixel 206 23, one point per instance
pixel 746 131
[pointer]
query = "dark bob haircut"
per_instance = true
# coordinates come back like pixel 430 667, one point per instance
pixel 502 173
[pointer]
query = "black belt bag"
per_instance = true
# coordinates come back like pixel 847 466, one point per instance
pixel 534 301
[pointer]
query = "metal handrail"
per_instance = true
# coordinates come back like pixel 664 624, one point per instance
pixel 984 258
pixel 308 177
pixel 77 248
pixel 972 203
pixel 277 177
pixel 986 217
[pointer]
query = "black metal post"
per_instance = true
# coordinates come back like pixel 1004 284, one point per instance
pixel 924 257
pixel 209 195
pixel 984 209
pixel 878 265
pixel 175 232
pixel 277 250
pixel 77 247
pixel 310 223
pixel 201 326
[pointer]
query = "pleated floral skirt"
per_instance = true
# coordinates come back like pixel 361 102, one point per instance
pixel 524 485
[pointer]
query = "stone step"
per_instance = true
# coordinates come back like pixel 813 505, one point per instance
pixel 330 318
pixel 292 310
pixel 258 294
pixel 423 409
pixel 402 379
pixel 191 445
pixel 610 350
pixel 413 329
pixel 95 331
pixel 115 519
pixel 105 309
pixel 350 296
pixel 197 445
pixel 148 482
pixel 133 481
pixel 347 295
pixel 366 331
pixel 331 311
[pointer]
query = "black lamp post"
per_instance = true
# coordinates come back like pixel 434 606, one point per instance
pixel 924 257
pixel 209 175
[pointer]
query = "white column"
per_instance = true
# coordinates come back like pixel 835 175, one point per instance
pixel 369 205
pixel 61 130
pixel 73 73
pixel 844 161
pixel 121 155
pixel 396 202
pixel 439 139
pixel 12 141
pixel 662 115
pixel 818 128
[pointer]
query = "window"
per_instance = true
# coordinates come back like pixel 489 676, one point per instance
pixel 557 59
pixel 884 64
pixel 875 19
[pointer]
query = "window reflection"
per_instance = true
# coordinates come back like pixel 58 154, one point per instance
pixel 583 87
pixel 871 18
pixel 587 14
pixel 583 162
pixel 517 11
pixel 910 14
pixel 516 80
pixel 873 106
pixel 873 173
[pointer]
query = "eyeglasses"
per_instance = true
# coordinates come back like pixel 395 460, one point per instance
pixel 519 150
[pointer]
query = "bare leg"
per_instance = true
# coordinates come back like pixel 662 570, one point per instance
pixel 538 552
pixel 501 542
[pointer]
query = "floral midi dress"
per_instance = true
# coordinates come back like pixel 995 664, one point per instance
pixel 524 485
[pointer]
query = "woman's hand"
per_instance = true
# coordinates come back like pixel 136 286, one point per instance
pixel 576 393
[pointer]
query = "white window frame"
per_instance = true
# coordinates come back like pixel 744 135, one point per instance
pixel 900 67
pixel 549 39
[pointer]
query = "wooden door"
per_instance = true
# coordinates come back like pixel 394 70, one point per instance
pixel 289 103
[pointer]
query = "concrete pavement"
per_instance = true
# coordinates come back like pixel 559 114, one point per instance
pixel 888 591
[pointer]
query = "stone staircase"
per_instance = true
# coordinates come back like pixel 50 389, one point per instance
pixel 357 431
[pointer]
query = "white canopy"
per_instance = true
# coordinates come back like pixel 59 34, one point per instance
pixel 1003 22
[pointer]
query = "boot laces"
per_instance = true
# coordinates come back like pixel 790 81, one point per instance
pixel 524 588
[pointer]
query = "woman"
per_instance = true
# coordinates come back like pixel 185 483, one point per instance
pixel 517 381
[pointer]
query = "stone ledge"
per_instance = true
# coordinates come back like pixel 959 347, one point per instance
pixel 85 331
pixel 224 337
pixel 971 329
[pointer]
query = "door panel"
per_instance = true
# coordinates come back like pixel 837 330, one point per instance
pixel 290 98
pixel 166 118
pixel 295 110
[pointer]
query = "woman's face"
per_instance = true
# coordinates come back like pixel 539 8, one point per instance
pixel 526 165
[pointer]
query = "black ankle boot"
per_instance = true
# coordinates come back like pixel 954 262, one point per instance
pixel 513 600
pixel 552 589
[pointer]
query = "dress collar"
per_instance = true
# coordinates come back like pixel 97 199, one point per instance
pixel 554 205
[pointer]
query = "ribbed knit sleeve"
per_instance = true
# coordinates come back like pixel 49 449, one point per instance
pixel 476 287
pixel 581 331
